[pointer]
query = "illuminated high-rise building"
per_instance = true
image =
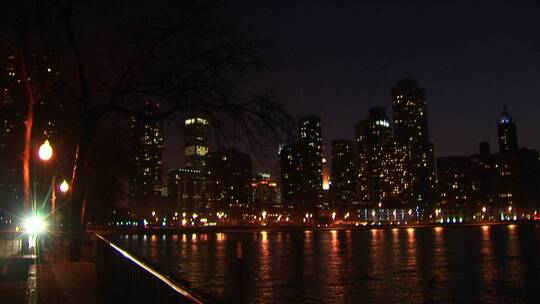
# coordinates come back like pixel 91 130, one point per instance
pixel 343 174
pixel 196 141
pixel 507 133
pixel 302 168
pixel 374 150
pixel 411 132
pixel 145 181
pixel 312 161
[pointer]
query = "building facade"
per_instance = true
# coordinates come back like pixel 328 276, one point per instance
pixel 302 169
pixel 228 181
pixel 145 184
pixel 374 146
pixel 411 132
pixel 343 174
pixel 195 142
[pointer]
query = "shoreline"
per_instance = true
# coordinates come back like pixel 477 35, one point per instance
pixel 225 229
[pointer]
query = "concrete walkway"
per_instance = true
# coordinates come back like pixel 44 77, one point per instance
pixel 63 283
pixel 13 292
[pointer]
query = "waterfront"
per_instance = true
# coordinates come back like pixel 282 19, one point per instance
pixel 489 264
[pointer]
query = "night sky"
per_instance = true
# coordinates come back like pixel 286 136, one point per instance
pixel 338 58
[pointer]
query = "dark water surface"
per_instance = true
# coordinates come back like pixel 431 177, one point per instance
pixel 478 264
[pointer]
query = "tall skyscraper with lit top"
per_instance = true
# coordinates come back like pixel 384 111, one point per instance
pixel 187 186
pixel 411 133
pixel 507 133
pixel 196 141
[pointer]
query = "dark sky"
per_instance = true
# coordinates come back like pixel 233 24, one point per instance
pixel 341 57
pixel 338 58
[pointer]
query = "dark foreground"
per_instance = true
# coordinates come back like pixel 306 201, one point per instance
pixel 487 264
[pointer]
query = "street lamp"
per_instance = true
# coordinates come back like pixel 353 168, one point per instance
pixel 64 187
pixel 45 151
pixel 34 225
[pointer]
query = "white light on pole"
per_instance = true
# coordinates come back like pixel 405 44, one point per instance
pixel 34 225
pixel 45 151
pixel 64 186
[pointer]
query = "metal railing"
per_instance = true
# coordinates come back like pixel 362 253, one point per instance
pixel 125 279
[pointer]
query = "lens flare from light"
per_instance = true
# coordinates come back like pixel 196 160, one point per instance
pixel 34 225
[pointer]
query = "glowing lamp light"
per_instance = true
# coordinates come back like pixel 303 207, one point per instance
pixel 45 151
pixel 64 186
pixel 333 215
pixel 484 209
pixel 34 225
pixel 264 214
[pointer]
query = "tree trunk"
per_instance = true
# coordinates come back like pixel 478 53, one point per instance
pixel 28 124
pixel 79 193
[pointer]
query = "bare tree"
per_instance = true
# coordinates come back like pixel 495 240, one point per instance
pixel 181 54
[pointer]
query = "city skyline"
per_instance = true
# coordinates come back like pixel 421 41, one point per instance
pixel 338 59
pixel 310 151
pixel 174 141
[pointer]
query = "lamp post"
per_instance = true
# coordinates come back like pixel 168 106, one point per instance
pixel 34 224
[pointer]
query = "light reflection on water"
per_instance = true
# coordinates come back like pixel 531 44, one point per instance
pixel 488 264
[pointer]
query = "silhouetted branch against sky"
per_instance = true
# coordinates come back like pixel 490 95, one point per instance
pixel 115 55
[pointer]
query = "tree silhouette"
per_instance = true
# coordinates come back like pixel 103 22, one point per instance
pixel 117 54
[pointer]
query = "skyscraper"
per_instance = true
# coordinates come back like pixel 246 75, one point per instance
pixel 507 133
pixel 291 175
pixel 312 160
pixel 343 174
pixel 196 141
pixel 228 177
pixel 145 180
pixel 411 132
pixel 373 148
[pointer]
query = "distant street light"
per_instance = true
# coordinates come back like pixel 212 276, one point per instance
pixel 45 151
pixel 64 187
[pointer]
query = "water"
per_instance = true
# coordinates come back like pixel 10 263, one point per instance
pixel 481 264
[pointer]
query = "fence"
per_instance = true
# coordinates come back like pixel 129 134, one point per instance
pixel 125 279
